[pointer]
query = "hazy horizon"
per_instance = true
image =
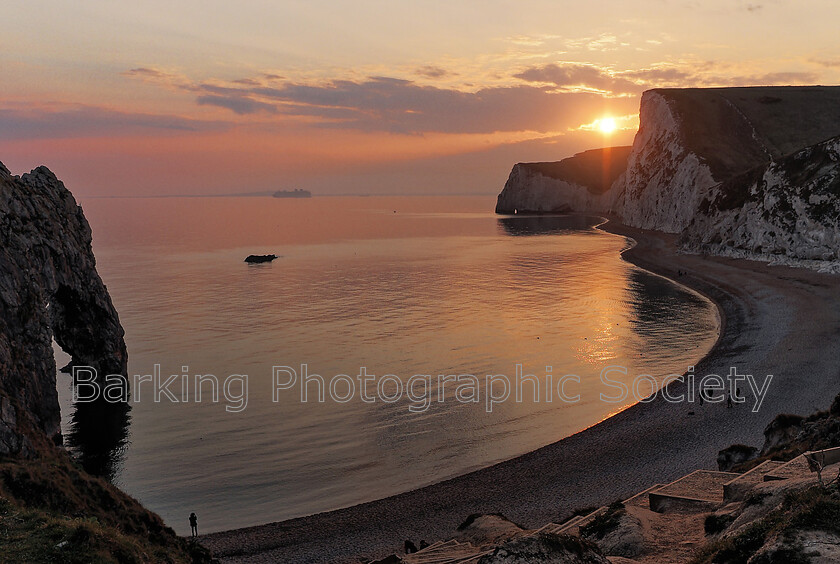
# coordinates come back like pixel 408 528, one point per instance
pixel 210 98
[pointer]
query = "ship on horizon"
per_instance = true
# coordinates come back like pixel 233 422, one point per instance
pixel 296 193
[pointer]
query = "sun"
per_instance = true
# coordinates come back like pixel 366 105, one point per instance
pixel 607 125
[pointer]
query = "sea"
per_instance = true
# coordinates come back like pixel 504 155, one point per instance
pixel 404 291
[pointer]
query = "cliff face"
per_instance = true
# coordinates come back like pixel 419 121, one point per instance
pixel 789 208
pixel 692 139
pixel 52 510
pixel 49 289
pixel 697 155
pixel 580 183
pixel 664 179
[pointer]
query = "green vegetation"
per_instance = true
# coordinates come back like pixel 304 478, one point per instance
pixel 815 508
pixel 570 544
pixel 811 509
pixel 605 523
pixel 820 430
pixel 715 524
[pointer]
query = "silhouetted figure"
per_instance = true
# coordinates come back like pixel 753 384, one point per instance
pixel 409 547
pixel 728 399
pixel 701 397
pixel 193 524
pixel 423 544
pixel 738 395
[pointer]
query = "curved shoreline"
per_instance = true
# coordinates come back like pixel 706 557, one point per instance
pixel 614 227
pixel 774 320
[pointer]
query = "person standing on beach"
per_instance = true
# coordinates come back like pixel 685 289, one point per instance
pixel 193 525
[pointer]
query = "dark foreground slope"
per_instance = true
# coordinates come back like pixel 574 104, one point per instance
pixel 51 509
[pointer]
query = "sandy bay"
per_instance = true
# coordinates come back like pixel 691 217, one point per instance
pixel 776 320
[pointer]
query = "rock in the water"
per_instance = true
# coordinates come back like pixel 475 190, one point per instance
pixel 256 259
pixel 49 288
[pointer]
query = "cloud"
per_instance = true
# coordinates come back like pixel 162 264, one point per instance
pixel 708 74
pixel 153 75
pixel 768 79
pixel 24 122
pixel 546 98
pixel 531 40
pixel 670 75
pixel 829 63
pixel 402 106
pixel 603 42
pixel 575 75
pixel 146 72
pixel 238 104
pixel 431 71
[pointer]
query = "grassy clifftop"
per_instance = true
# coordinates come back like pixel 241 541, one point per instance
pixel 736 129
pixel 595 169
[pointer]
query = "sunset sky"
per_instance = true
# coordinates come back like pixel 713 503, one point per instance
pixel 207 97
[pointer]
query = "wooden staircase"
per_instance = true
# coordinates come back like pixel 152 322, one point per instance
pixel 701 490
pixel 449 552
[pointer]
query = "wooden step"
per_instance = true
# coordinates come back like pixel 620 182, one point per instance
pixel 796 468
pixel 449 552
pixel 550 527
pixel 737 488
pixel 702 490
pixel 564 528
pixel 641 498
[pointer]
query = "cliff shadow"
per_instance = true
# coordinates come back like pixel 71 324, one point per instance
pixel 519 225
pixel 98 436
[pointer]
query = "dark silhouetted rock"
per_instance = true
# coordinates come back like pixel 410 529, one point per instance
pixel 733 455
pixel 49 288
pixel 256 259
pixel 782 430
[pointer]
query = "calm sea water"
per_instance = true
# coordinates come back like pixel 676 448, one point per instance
pixel 403 286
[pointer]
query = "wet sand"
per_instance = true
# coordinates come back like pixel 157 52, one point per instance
pixel 775 320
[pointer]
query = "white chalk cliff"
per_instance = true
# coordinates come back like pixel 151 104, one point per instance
pixel 695 156
pixel 579 183
pixel 783 212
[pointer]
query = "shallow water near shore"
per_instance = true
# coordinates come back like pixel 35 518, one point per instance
pixel 398 285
